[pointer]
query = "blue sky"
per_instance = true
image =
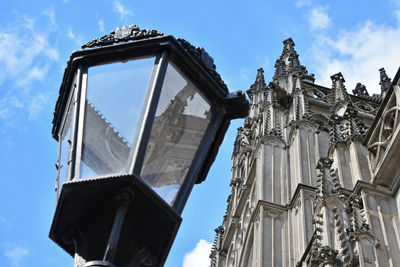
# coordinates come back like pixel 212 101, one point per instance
pixel 36 38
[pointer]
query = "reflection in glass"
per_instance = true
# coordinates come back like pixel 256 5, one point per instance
pixel 182 117
pixel 114 98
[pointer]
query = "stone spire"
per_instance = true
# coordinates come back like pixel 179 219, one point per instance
pixel 258 85
pixel 339 93
pixel 385 81
pixel 344 121
pixel 289 63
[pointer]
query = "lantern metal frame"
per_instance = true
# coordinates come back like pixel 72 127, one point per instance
pixel 196 66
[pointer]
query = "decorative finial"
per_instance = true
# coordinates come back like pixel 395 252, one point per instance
pixel 288 41
pixel 258 85
pixel 123 34
pixel 360 90
pixel 339 92
pixel 385 81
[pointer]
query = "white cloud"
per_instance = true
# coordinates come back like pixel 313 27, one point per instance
pixel 397 14
pixel 75 38
pixel 358 54
pixel 121 10
pixel 16 255
pixel 101 25
pixel 301 3
pixel 25 58
pixel 199 256
pixel 318 19
pixel 19 50
pixel 51 14
pixel 36 106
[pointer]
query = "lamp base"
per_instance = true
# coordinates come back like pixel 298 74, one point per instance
pixel 85 214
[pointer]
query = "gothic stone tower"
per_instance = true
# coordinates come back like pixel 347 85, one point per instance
pixel 307 184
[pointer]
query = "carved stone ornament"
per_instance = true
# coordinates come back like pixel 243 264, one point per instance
pixel 123 34
pixel 324 163
pixel 272 213
pixel 360 90
pixel 235 220
pixel 326 255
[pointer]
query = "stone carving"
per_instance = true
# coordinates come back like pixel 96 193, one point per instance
pixel 360 90
pixel 273 213
pixel 317 95
pixel 288 63
pixel 123 34
pixel 385 81
pixel 282 97
pixel 216 250
pixel 388 123
pixel 235 220
pixel 364 107
pixel 259 84
pixel 339 92
pixel 323 255
pixel 346 125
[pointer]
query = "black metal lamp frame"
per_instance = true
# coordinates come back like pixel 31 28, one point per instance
pixel 115 202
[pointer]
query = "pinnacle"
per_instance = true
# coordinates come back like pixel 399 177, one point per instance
pixel 289 43
pixel 259 84
pixel 289 63
pixel 260 75
pixel 338 89
pixel 337 77
pixel 385 81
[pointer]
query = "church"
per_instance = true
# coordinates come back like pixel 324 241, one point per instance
pixel 315 174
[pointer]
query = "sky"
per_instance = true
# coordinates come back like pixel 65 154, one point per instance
pixel 37 37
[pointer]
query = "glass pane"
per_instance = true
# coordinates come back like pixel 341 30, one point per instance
pixel 182 117
pixel 114 98
pixel 65 141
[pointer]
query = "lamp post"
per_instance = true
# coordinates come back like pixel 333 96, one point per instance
pixel 139 120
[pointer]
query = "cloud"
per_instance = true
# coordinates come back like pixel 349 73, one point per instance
pixel 199 256
pixel 301 3
pixel 51 14
pixel 75 38
pixel 358 54
pixel 36 105
pixel 101 25
pixel 19 49
pixel 16 255
pixel 121 10
pixel 318 19
pixel 26 55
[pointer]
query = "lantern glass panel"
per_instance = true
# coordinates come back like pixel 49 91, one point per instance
pixel 114 100
pixel 182 117
pixel 65 143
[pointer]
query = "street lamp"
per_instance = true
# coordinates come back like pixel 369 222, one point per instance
pixel 139 121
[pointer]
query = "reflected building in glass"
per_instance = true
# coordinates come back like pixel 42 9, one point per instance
pixel 182 117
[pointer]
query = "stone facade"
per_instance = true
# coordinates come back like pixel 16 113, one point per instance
pixel 315 174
